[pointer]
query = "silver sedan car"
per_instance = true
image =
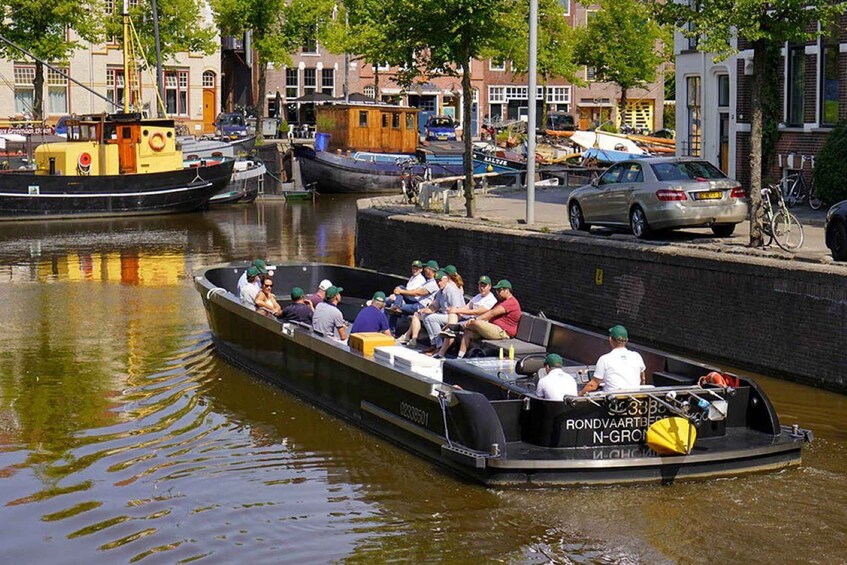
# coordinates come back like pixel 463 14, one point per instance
pixel 659 193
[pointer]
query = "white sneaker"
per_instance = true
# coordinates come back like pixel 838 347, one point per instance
pixel 402 340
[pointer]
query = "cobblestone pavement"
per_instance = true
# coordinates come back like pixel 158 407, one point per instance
pixel 507 207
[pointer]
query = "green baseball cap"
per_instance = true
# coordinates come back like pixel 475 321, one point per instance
pixel 253 272
pixel 440 275
pixel 503 283
pixel 333 291
pixel 618 332
pixel 450 270
pixel 554 360
pixel 379 296
pixel 261 265
pixel 484 279
pixel 432 264
pixel 417 264
pixel 296 293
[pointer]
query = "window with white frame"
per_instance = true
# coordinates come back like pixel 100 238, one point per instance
pixel 115 85
pixel 310 45
pixel 370 90
pixel 328 81
pixel 829 73
pixel 176 92
pixel 383 67
pixel 57 92
pixel 208 79
pixel 516 93
pixel 566 5
pixel 24 88
pixel 497 64
pixel 310 81
pixel 559 94
pixel 496 93
pixel 292 84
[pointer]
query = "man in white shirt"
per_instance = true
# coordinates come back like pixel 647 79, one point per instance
pixel 417 293
pixel 251 287
pixel 556 384
pixel 620 369
pixel 479 304
pixel 263 270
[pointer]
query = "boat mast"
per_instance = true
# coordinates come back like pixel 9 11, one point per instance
pixel 127 55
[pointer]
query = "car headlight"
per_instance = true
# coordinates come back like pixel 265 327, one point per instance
pixel 829 214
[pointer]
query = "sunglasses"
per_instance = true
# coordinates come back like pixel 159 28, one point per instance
pixel 268 285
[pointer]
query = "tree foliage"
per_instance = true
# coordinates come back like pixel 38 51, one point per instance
pixel 831 166
pixel 40 26
pixel 717 23
pixel 624 43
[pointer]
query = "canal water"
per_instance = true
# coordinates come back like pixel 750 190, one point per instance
pixel 124 438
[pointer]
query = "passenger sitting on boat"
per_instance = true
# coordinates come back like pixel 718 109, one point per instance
pixel 457 318
pixel 410 338
pixel 620 369
pixel 417 293
pixel 454 275
pixel 266 301
pixel 556 384
pixel 501 322
pixel 299 310
pixel 371 318
pixel 263 270
pixel 250 289
pixel 434 317
pixel 319 295
pixel 328 319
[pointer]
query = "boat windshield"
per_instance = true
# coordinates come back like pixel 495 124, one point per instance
pixel 82 132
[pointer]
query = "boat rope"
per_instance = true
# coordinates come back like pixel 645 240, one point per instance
pixel 442 396
pixel 216 290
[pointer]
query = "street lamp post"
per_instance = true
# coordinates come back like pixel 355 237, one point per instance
pixel 532 94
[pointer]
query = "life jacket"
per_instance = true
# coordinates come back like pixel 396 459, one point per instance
pixel 713 378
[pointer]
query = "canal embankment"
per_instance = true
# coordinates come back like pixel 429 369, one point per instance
pixel 749 309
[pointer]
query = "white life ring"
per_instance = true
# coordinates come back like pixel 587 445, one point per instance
pixel 157 141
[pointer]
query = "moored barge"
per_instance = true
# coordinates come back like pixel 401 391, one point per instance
pixel 481 417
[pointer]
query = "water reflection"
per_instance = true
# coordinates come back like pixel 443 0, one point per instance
pixel 123 436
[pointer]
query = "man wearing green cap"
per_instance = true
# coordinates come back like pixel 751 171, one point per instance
pixel 457 318
pixel 405 301
pixel 371 318
pixel 328 320
pixel 556 384
pixel 620 369
pixel 248 291
pixel 299 310
pixel 262 269
pixel 501 322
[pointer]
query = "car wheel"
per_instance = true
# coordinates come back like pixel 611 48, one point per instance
pixel 723 230
pixel 638 223
pixel 576 218
pixel 836 240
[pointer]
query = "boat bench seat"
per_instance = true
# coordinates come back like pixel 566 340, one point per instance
pixel 665 378
pixel 531 337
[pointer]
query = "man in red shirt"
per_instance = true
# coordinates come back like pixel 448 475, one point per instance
pixel 501 322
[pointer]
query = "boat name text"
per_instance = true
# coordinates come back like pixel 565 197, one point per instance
pixel 416 415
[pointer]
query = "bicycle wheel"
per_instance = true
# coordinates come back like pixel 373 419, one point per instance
pixel 815 202
pixel 793 194
pixel 787 230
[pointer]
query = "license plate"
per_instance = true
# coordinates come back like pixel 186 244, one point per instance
pixel 713 195
pixel 442 138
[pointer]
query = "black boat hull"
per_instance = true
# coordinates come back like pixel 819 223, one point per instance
pixel 25 195
pixel 497 441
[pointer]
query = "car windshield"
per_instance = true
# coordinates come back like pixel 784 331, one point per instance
pixel 441 123
pixel 687 170
pixel 232 120
pixel 561 121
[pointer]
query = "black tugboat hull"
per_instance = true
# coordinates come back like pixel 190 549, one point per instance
pixel 27 196
pixel 492 435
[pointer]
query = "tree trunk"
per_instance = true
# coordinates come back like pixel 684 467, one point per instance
pixel 38 98
pixel 756 211
pixel 467 103
pixel 623 107
pixel 377 95
pixel 545 78
pixel 258 108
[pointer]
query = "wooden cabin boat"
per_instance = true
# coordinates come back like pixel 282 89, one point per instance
pixel 111 164
pixel 481 417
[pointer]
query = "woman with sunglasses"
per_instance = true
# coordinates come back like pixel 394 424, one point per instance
pixel 458 317
pixel 266 301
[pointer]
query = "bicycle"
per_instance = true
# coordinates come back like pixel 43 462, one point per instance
pixel 796 191
pixel 778 223
pixel 410 181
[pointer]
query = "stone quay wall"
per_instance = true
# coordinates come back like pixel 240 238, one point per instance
pixel 777 317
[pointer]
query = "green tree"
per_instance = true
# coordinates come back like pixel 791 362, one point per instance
pixel 624 44
pixel 41 27
pixel 556 55
pixel 444 37
pixel 278 27
pixel 717 24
